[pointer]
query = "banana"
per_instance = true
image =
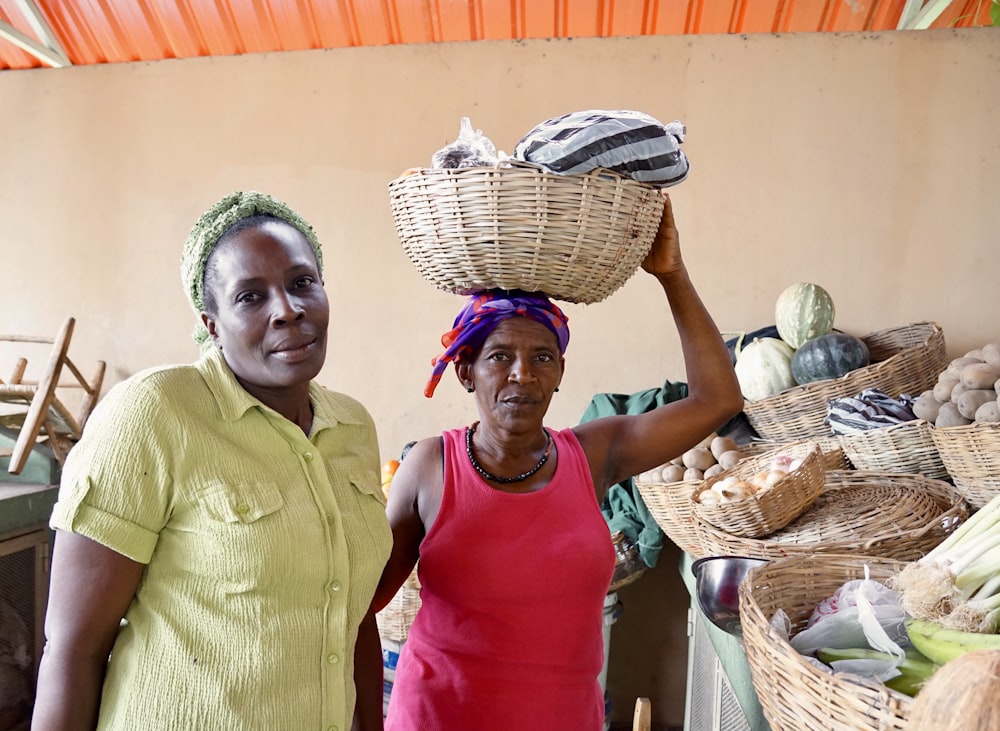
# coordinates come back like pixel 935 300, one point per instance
pixel 914 669
pixel 942 644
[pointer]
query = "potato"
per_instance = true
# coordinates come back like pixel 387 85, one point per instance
pixel 996 387
pixel 700 458
pixel 970 401
pixel 976 353
pixel 980 375
pixel 949 415
pixel 730 459
pixel 926 406
pixel 693 473
pixel 678 460
pixel 713 470
pixel 957 391
pixel 988 412
pixel 707 441
pixel 946 382
pixel 722 444
pixel 672 473
pixel 991 352
pixel 955 367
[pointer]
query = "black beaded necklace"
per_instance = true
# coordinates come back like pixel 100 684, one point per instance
pixel 504 480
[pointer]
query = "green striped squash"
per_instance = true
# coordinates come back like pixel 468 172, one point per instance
pixel 803 311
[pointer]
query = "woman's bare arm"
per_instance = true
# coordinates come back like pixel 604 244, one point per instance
pixel 91 588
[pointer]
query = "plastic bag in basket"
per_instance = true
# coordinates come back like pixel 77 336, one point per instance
pixel 471 149
pixel 627 142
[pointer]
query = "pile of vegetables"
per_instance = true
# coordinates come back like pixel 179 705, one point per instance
pixel 707 459
pixel 734 488
pixel 807 349
pixel 966 392
pixel 950 607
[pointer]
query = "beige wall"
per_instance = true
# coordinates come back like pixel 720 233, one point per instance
pixel 867 163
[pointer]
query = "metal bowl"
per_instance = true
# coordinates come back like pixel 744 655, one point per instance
pixel 717 584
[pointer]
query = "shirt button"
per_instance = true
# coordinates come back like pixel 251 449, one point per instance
pixel 329 518
pixel 307 456
pixel 335 585
pixel 333 728
pixel 333 659
pixel 242 508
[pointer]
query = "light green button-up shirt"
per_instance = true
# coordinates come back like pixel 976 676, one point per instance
pixel 264 548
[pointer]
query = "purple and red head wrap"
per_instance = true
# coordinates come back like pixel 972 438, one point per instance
pixel 482 313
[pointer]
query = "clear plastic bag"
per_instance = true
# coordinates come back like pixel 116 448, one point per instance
pixel 862 613
pixel 471 149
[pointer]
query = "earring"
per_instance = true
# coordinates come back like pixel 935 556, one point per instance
pixel 557 389
pixel 470 389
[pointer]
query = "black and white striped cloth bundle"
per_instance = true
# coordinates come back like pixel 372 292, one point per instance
pixel 627 142
pixel 870 409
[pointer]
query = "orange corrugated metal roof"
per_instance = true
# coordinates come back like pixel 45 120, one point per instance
pixel 62 32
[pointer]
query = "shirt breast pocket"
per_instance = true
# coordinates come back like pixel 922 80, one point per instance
pixel 241 503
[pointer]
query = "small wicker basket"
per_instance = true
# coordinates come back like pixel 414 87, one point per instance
pixel 577 238
pixel 395 618
pixel 906 448
pixel 859 511
pixel 971 454
pixel 905 359
pixel 771 508
pixel 794 694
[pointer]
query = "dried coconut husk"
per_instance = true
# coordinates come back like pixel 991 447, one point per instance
pixel 960 696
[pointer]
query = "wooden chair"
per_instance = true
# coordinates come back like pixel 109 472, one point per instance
pixel 35 410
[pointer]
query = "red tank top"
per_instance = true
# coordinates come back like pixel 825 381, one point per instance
pixel 509 633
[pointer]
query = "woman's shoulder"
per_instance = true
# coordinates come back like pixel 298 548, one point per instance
pixel 341 405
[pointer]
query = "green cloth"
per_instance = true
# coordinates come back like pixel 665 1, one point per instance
pixel 623 507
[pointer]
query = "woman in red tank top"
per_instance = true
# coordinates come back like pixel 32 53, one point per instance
pixel 504 515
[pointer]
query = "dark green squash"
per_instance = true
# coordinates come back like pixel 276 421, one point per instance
pixel 828 356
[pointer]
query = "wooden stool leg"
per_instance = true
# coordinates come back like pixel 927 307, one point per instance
pixel 642 718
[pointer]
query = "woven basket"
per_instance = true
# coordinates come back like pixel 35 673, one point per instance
pixel 859 511
pixel 905 448
pixel 971 454
pixel 395 618
pixel 905 359
pixel 794 694
pixel 576 238
pixel 670 505
pixel 670 502
pixel 770 509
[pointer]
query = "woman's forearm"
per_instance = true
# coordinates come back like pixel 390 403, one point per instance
pixel 69 691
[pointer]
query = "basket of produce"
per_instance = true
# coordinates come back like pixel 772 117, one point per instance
pixel 796 693
pixel 964 406
pixel 870 513
pixel 666 490
pixel 577 238
pixel 905 359
pixel 670 505
pixel 906 448
pixel 762 494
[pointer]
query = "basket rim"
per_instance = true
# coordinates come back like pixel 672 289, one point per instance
pixel 511 164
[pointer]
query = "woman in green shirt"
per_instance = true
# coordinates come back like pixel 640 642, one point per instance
pixel 220 528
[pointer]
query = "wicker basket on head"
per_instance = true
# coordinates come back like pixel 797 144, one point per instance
pixel 971 454
pixel 770 509
pixel 576 238
pixel 794 694
pixel 905 359
pixel 906 448
pixel 868 513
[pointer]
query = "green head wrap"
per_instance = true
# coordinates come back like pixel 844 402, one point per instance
pixel 210 227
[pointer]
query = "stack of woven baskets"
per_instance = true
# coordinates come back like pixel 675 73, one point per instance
pixel 889 495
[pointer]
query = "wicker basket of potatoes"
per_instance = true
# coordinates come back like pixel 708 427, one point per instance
pixel 964 407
